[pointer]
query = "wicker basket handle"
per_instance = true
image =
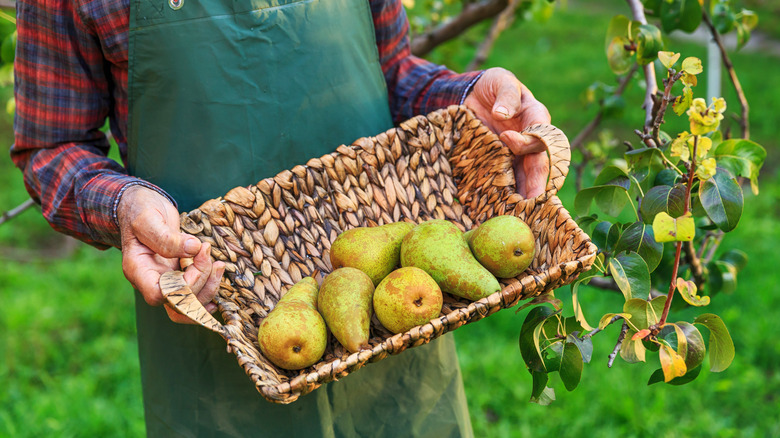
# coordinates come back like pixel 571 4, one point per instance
pixel 179 295
pixel 559 152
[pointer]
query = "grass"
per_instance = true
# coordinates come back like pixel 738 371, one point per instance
pixel 67 331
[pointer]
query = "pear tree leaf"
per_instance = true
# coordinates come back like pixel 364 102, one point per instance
pixel 605 320
pixel 578 314
pixel 632 351
pixel 610 198
pixel 692 65
pixel 671 229
pixel 649 43
pixel 529 337
pixel 684 15
pixel 723 18
pixel 641 334
pixel 669 199
pixel 736 257
pixel 688 291
pixel 721 344
pixel 722 277
pixel 722 199
pixel 640 238
pixel 631 274
pixel 672 364
pixel 571 366
pixel 683 102
pixel 695 348
pixel 668 59
pixel 654 309
pixel 615 43
pixel 637 308
pixel 612 175
pixel 741 157
pixel 691 375
pixel 540 393
pixel 584 345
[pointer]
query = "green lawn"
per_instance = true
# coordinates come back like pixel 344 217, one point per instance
pixel 67 328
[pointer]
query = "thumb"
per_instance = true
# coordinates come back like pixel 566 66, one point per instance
pixel 164 238
pixel 508 101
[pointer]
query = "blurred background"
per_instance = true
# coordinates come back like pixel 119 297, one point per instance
pixel 67 330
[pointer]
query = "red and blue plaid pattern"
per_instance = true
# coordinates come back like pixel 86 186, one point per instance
pixel 71 76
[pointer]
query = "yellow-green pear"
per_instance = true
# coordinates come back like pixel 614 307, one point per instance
pixel 406 298
pixel 437 247
pixel 293 335
pixel 373 250
pixel 345 303
pixel 504 245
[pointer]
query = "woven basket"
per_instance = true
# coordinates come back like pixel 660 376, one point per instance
pixel 446 165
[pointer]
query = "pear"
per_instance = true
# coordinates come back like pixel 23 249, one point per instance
pixel 373 250
pixel 293 335
pixel 406 298
pixel 437 247
pixel 504 245
pixel 345 303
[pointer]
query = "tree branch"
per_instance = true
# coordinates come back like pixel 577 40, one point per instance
pixel 695 263
pixel 621 338
pixel 10 214
pixel 500 23
pixel 744 123
pixel 471 14
pixel 638 12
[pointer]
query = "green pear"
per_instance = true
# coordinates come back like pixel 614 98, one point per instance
pixel 504 245
pixel 373 250
pixel 438 248
pixel 406 298
pixel 345 303
pixel 293 335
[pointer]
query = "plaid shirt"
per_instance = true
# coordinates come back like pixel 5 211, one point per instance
pixel 71 76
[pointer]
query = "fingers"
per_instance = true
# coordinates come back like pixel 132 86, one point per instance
pixel 508 97
pixel 531 174
pixel 162 235
pixel 521 144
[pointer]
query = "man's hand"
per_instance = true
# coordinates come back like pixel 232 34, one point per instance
pixel 507 107
pixel 152 245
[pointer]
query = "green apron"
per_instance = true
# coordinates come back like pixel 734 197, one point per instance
pixel 224 93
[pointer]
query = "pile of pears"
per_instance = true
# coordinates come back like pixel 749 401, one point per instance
pixel 434 257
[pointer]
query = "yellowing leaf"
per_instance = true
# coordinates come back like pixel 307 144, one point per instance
pixel 680 147
pixel 641 334
pixel 692 65
pixel 703 145
pixel 719 104
pixel 668 59
pixel 706 169
pixel 688 291
pixel 689 80
pixel 672 363
pixel 669 229
pixel 683 102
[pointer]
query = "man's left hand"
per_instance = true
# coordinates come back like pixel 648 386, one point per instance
pixel 507 107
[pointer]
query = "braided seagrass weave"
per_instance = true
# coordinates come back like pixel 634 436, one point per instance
pixel 446 165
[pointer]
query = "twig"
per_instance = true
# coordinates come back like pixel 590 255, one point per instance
pixel 621 338
pixel 695 263
pixel 471 14
pixel 10 214
pixel 594 331
pixel 744 123
pixel 500 23
pixel 638 12
pixel 604 283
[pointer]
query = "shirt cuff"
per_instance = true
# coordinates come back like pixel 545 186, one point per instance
pixel 450 90
pixel 98 202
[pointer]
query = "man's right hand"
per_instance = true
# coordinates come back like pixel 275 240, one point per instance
pixel 152 244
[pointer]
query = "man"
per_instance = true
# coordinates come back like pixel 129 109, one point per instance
pixel 204 96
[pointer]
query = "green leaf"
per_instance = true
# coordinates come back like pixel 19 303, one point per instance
pixel 584 345
pixel 540 393
pixel 684 15
pixel 741 157
pixel 721 197
pixel 632 351
pixel 667 177
pixel 619 59
pixel 672 363
pixel 631 275
pixel 610 198
pixel 529 340
pixel 612 175
pixel 671 229
pixel 736 257
pixel 649 43
pixel 721 345
pixel 643 313
pixel 723 18
pixel 571 366
pixel 655 309
pixel 695 344
pixel 639 238
pixel 683 102
pixel 745 22
pixel 618 27
pixel 640 161
pixel 688 291
pixel 670 200
pixel 722 277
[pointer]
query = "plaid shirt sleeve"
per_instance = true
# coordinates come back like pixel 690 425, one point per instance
pixel 415 86
pixel 70 75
